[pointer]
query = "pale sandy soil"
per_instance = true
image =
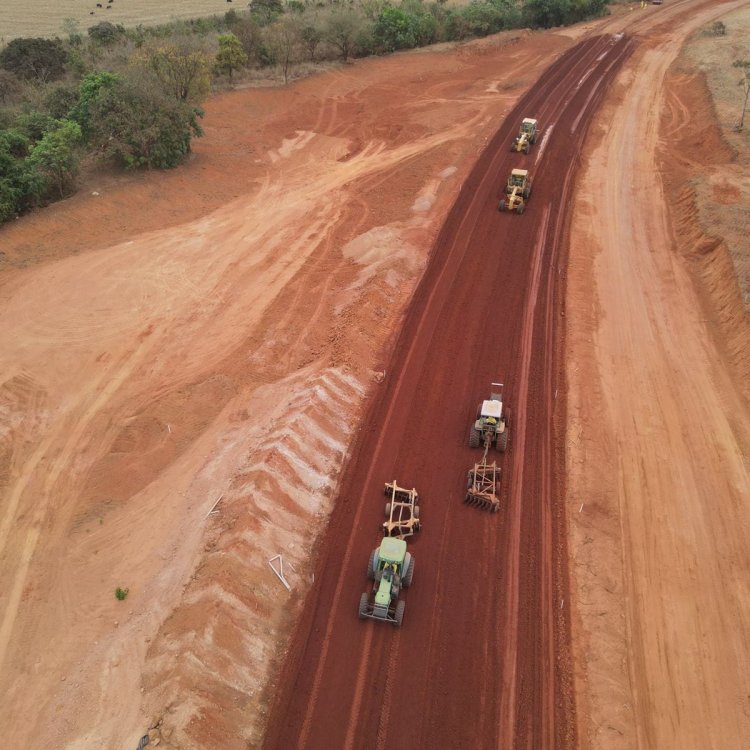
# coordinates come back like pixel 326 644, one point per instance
pixel 211 333
pixel 658 444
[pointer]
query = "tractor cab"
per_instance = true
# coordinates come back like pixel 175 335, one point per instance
pixel 517 179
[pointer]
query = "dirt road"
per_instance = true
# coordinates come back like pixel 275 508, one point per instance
pixel 659 432
pixel 482 634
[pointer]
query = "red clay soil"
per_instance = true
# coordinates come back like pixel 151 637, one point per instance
pixel 481 658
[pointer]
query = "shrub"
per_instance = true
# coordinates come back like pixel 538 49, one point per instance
pixel 230 56
pixel 10 86
pixel 120 594
pixel 55 158
pixel 137 125
pixel 105 32
pixel 34 58
pixel 60 101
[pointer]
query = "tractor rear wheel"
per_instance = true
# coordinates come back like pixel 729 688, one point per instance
pixel 400 607
pixel 502 441
pixel 409 575
pixel 362 606
pixel 474 438
pixel 372 565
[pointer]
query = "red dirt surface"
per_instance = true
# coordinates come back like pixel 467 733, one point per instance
pixel 484 625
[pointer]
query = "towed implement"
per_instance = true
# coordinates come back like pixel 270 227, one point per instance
pixel 401 510
pixel 490 428
pixel 517 192
pixel 391 568
pixel 526 136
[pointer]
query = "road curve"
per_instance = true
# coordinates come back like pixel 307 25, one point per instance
pixel 480 660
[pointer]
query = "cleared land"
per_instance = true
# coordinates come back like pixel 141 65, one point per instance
pixel 211 334
pixel 42 18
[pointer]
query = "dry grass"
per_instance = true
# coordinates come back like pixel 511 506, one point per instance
pixel 714 55
pixel 46 17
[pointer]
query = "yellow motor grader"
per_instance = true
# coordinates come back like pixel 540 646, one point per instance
pixel 517 192
pixel 526 136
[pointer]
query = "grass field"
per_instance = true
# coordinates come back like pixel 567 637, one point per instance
pixel 45 17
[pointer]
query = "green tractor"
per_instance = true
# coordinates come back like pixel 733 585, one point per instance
pixel 491 424
pixel 526 136
pixel 517 192
pixel 391 568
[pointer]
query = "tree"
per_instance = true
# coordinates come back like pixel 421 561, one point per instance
pixel 138 125
pixel 395 29
pixel 266 12
pixel 10 86
pixel 182 67
pixel 285 39
pixel 104 32
pixel 744 66
pixel 34 58
pixel 341 28
pixel 88 91
pixel 312 36
pixel 546 13
pixel 55 155
pixel 230 56
pixel 13 173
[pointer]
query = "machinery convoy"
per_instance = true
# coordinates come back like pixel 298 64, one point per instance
pixel 391 566
pixel 518 187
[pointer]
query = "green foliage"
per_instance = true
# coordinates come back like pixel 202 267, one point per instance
pixel 14 182
pixel 88 91
pixel 34 58
pixel 120 593
pixel 230 56
pixel 35 125
pixel 266 12
pixel 395 29
pixel 105 32
pixel 55 158
pixel 138 126
pixel 60 100
pixel 312 36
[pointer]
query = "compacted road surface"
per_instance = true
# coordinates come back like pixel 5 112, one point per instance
pixel 481 660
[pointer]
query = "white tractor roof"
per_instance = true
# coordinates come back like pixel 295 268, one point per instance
pixel 529 120
pixel 520 172
pixel 492 409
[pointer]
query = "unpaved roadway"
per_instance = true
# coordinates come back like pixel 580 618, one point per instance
pixel 482 635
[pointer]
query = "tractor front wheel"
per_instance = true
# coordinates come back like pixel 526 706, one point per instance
pixel 502 206
pixel 520 208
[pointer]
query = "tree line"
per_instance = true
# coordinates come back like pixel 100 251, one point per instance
pixel 132 96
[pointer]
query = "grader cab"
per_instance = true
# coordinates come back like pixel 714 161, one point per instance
pixel 517 192
pixel 526 136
